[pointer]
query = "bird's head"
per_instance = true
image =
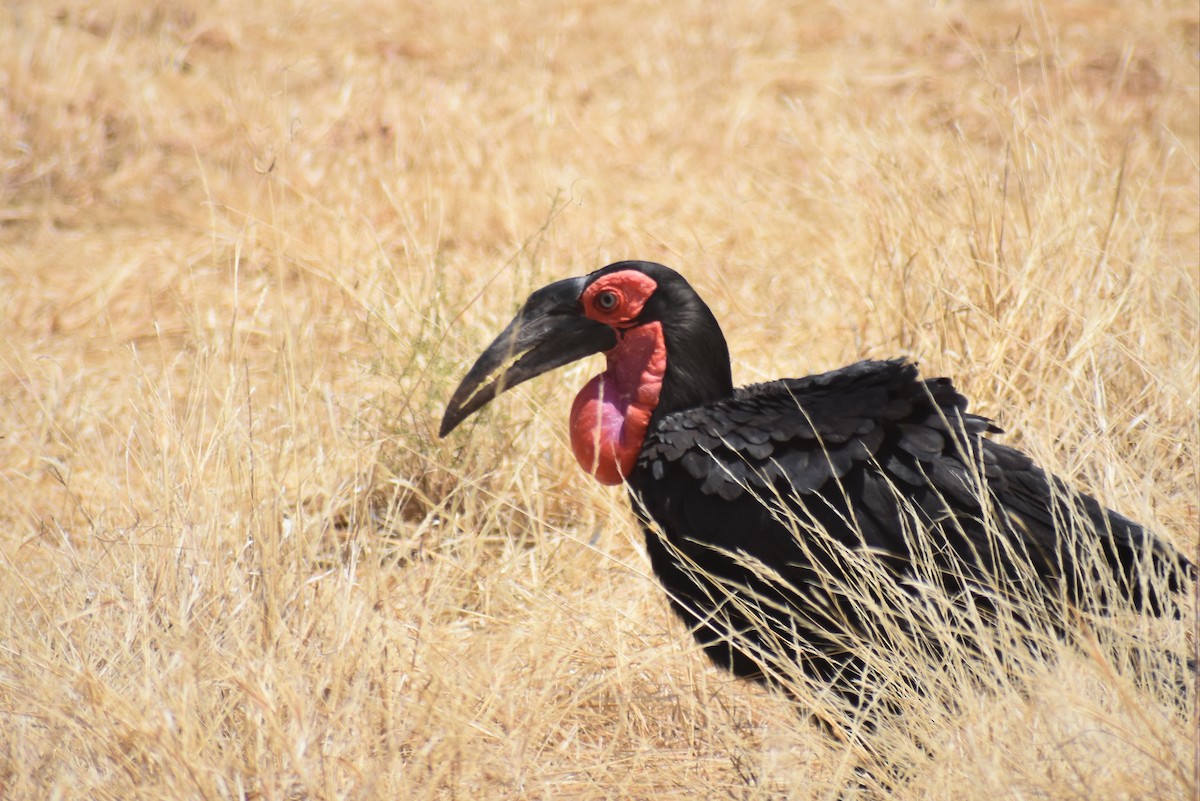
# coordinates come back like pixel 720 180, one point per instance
pixel 664 352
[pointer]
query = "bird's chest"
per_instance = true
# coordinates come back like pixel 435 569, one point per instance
pixel 688 528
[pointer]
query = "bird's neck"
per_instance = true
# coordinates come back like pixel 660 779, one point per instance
pixel 612 413
pixel 699 370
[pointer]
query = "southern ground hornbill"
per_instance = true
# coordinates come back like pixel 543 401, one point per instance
pixel 818 523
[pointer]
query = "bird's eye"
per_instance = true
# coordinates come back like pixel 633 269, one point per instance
pixel 606 300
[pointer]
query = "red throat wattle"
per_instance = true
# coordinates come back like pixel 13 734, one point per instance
pixel 612 412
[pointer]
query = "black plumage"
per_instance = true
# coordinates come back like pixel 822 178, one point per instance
pixel 764 496
pixel 809 523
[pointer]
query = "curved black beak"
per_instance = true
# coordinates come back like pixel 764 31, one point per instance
pixel 550 331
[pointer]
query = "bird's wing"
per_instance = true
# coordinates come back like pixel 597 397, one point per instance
pixel 875 439
pixel 805 431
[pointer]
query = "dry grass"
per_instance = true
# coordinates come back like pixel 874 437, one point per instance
pixel 246 249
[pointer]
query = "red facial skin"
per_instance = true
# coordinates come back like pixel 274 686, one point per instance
pixel 612 412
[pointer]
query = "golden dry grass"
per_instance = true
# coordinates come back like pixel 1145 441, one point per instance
pixel 246 250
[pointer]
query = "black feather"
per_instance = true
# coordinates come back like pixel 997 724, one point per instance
pixel 873 460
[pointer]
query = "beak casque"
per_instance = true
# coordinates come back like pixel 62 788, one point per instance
pixel 549 331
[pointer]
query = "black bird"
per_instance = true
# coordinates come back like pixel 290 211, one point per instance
pixel 816 522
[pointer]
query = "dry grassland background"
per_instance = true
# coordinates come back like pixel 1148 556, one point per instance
pixel 248 248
